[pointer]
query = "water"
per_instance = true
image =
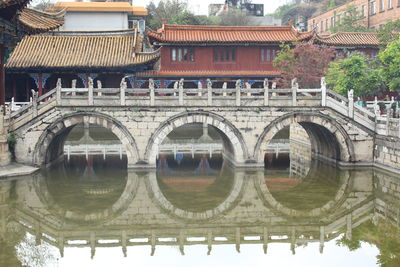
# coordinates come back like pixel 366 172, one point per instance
pixel 199 212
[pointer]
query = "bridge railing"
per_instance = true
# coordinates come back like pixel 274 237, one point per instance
pixel 178 96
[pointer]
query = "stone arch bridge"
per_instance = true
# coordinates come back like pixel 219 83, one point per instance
pixel 246 118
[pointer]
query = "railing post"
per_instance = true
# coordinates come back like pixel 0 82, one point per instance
pixel 273 88
pixel 180 88
pixel 123 87
pixel 389 115
pixel 200 88
pixel 99 86
pixel 238 92
pixel 248 88
pixel 58 91
pixel 209 92
pixel 152 92
pixel 175 87
pixel 323 92
pixel 224 87
pixel 295 86
pixel 350 95
pixel 266 92
pixel 73 86
pixel 90 92
pixel 34 103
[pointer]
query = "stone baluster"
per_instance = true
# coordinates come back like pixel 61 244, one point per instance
pixel 209 92
pixel 376 107
pixel 200 87
pixel 265 239
pixel 90 92
pixel 175 87
pixel 34 103
pixel 224 87
pixel 180 89
pixel 238 92
pixel 73 86
pixel 99 86
pixel 123 243
pixel 273 88
pixel 389 115
pixel 295 86
pixel 152 92
pixel 349 226
pixel 58 91
pixel 248 88
pixel 350 95
pixel 209 242
pixel 323 92
pixel 237 239
pixel 92 245
pixel 266 93
pixel 123 85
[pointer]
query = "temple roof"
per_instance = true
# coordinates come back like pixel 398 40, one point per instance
pixel 353 39
pixel 34 21
pixel 80 51
pixel 102 7
pixel 226 34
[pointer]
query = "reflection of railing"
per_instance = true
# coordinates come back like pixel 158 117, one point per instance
pixel 277 146
pixel 193 148
pixel 194 97
pixel 94 150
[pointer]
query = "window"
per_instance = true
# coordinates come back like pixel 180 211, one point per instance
pixel 382 5
pixel 268 54
pixel 182 54
pixel 390 4
pixel 222 54
pixel 322 26
pixel 363 11
pixel 327 24
pixel 373 7
pixel 333 22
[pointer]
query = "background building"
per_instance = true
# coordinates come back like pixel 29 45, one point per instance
pixel 374 14
pixel 101 16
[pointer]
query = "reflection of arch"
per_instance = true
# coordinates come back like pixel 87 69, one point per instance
pixel 112 211
pixel 269 200
pixel 328 139
pixel 50 145
pixel 229 134
pixel 227 204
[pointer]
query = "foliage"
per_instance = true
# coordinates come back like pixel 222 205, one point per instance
pixel 389 32
pixel 306 61
pixel 233 17
pixel 11 140
pixel 390 71
pixel 172 11
pixel 351 21
pixel 355 72
pixel 42 5
pixel 332 4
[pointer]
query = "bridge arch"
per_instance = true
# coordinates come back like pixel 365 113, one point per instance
pixel 51 142
pixel 229 134
pixel 328 138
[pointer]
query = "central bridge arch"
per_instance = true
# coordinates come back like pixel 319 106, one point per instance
pixel 329 140
pixel 50 145
pixel 230 135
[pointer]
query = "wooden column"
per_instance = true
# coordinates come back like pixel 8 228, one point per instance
pixel 40 84
pixel 2 80
pixel 14 88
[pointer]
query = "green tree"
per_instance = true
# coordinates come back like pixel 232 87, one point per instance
pixel 390 71
pixel 355 72
pixel 389 32
pixel 351 21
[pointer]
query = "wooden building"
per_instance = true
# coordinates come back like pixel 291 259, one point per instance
pixel 221 53
pixel 38 61
pixel 16 21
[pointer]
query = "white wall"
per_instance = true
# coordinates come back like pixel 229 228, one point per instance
pixel 95 21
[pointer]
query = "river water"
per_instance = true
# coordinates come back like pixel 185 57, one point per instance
pixel 197 211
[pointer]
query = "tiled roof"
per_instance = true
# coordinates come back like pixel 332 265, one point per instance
pixel 78 52
pixel 102 7
pixel 34 21
pixel 206 74
pixel 226 34
pixel 350 39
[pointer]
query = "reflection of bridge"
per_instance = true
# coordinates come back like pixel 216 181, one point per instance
pixel 246 118
pixel 249 215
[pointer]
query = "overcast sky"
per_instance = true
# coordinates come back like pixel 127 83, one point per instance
pixel 200 7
